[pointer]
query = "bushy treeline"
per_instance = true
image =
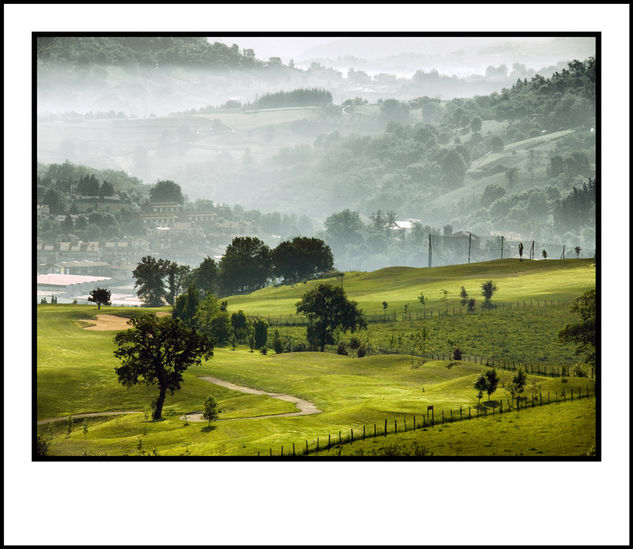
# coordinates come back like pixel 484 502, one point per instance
pixel 62 176
pixel 564 100
pixel 152 50
pixel 301 97
pixel 248 264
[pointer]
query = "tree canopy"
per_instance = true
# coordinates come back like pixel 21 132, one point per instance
pixel 328 309
pixel 100 296
pixel 166 191
pixel 584 332
pixel 149 279
pixel 302 258
pixel 156 351
pixel 246 265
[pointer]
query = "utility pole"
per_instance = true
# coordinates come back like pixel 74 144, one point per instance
pixel 501 246
pixel 470 237
pixel 430 252
pixel 562 256
pixel 532 250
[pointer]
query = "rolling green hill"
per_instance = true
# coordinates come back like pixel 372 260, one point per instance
pixel 75 374
pixel 517 280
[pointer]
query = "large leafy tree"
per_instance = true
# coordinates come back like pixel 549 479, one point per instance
pixel 205 276
pixel 166 191
pixel 156 351
pixel 177 276
pixel 100 296
pixel 246 265
pixel 149 277
pixel 302 258
pixel 584 332
pixel 186 306
pixel 328 309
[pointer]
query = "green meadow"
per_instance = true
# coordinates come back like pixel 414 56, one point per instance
pixel 75 371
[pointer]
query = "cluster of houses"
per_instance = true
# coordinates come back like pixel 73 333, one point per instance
pixel 171 232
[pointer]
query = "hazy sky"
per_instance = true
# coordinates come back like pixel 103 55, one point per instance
pixel 462 55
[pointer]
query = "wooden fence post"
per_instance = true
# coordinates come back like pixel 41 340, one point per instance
pixel 351 435
pixel 469 416
pixel 460 413
pixel 293 449
pixel 385 427
pixel 271 452
pixel 317 449
pixel 451 416
pixel 339 438
pixel 442 417
pixel 405 424
pixel 395 425
pixel 540 399
pixel 282 452
pixel 414 423
pixel 306 447
pixel 363 432
pixel 374 430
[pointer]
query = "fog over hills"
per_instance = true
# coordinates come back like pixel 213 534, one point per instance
pixel 508 145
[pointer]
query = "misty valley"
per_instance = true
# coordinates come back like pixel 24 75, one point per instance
pixel 326 255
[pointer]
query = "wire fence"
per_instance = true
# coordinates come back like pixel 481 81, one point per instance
pixel 400 315
pixel 425 420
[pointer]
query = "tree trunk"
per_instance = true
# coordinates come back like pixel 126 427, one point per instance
pixel 158 409
pixel 98 306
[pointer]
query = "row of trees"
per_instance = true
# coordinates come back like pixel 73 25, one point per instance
pixel 247 265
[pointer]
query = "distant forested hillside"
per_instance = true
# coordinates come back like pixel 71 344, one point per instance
pixel 522 161
pixel 195 51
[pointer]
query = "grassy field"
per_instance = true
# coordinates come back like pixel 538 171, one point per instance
pixel 527 335
pixel 562 429
pixel 75 368
pixel 516 281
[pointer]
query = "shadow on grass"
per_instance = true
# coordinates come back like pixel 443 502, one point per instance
pixel 208 429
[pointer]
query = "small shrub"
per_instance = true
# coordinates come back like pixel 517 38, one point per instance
pixel 43 301
pixel 361 351
pixel 579 371
pixel 278 345
pixel 341 348
pixel 300 347
pixel 354 343
pixel 74 302
pixel 471 305
pixel 457 353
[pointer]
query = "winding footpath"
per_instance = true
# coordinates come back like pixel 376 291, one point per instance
pixel 305 407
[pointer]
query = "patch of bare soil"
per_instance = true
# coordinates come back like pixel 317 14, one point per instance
pixel 107 323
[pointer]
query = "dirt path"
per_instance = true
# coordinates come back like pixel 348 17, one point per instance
pixel 305 407
pixel 90 414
